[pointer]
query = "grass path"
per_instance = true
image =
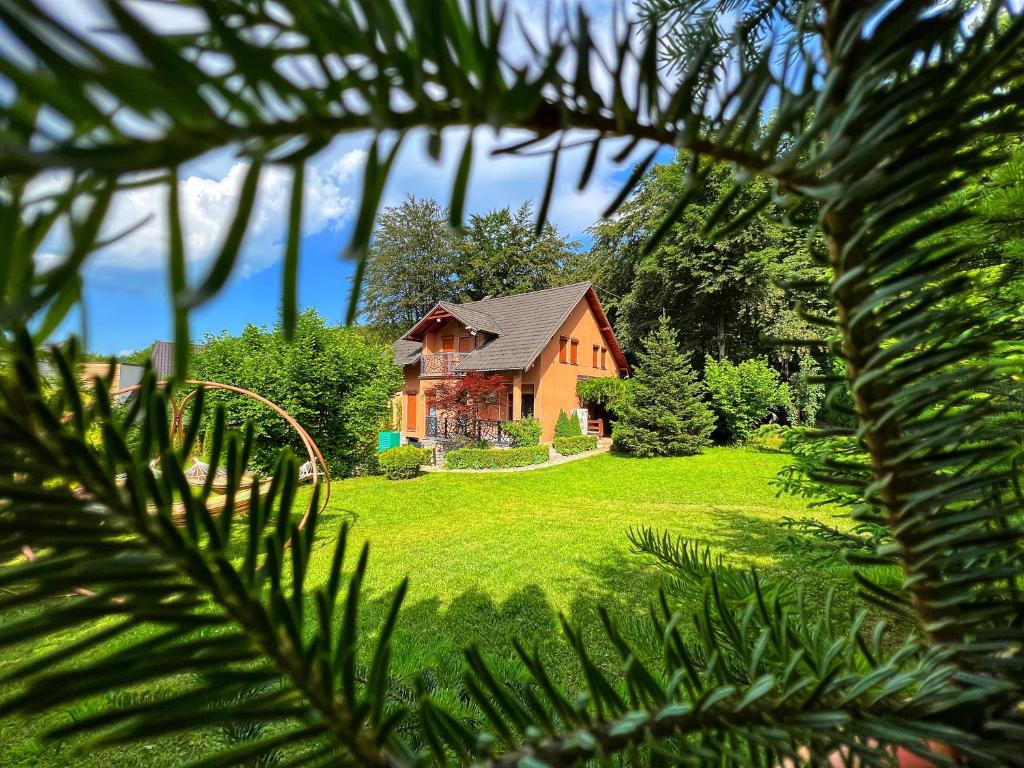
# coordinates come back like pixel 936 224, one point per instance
pixel 493 557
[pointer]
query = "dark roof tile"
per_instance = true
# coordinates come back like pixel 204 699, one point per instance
pixel 520 327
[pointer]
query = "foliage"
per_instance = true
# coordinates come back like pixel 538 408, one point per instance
pixel 489 458
pixel 721 295
pixel 333 381
pixel 807 393
pixel 866 118
pixel 137 356
pixel 567 426
pixel 501 253
pixel 607 391
pixel 664 413
pixel 416 260
pixel 744 395
pixel 410 264
pixel 403 462
pixel 466 398
pixel 522 432
pixel 838 407
pixel 768 437
pixel 569 446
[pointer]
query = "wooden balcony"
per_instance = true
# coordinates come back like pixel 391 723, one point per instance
pixel 441 364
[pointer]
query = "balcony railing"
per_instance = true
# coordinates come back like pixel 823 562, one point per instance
pixel 441 364
pixel 486 430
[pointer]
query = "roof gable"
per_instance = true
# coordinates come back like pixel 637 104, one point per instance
pixel 520 326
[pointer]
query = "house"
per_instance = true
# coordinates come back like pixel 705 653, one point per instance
pixel 542 343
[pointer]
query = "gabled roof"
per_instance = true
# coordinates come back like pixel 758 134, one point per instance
pixel 473 317
pixel 519 326
pixel 470 316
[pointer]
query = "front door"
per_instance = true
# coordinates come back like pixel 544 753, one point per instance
pixel 410 412
pixel 527 405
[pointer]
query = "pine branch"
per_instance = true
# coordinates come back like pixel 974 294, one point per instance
pixel 236 625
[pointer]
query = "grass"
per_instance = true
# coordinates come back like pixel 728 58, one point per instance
pixel 497 556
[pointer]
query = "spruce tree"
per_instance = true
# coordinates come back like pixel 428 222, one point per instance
pixel 664 413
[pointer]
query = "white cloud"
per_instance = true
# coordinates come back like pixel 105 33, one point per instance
pixel 498 181
pixel 208 203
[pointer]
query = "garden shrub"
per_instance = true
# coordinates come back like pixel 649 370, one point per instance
pixel 336 382
pixel 522 432
pixel 403 462
pixel 663 413
pixel 477 458
pixel 768 437
pixel 567 426
pixel 567 446
pixel 744 395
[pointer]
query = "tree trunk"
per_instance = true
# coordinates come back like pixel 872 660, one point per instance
pixel 721 333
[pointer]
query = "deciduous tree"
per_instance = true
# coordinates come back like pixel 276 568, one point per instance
pixel 411 264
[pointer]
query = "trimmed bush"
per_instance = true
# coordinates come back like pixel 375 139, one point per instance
pixel 568 446
pixel 403 462
pixel 522 432
pixel 478 458
pixel 567 426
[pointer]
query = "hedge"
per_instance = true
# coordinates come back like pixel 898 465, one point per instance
pixel 496 458
pixel 403 462
pixel 522 432
pixel 567 446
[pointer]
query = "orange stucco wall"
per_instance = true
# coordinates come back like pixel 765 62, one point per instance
pixel 553 382
pixel 557 388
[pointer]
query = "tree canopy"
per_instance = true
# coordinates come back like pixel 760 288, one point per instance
pixel 501 253
pixel 663 412
pixel 334 381
pixel 411 264
pixel 722 294
pixel 416 259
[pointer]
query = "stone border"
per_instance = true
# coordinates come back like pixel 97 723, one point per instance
pixel 554 460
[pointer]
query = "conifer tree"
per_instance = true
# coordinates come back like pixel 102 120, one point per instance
pixel 664 413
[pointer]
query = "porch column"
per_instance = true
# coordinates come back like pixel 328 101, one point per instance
pixel 517 396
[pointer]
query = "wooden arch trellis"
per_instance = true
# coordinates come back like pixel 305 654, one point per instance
pixel 317 464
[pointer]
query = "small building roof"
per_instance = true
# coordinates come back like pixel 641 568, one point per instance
pixel 518 327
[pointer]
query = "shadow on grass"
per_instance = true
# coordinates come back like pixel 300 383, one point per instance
pixel 431 635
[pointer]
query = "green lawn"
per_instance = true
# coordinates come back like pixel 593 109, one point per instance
pixel 499 555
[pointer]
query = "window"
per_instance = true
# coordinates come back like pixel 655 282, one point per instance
pixel 447 343
pixel 465 344
pixel 604 358
pixel 597 350
pixel 574 352
pixel 563 349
